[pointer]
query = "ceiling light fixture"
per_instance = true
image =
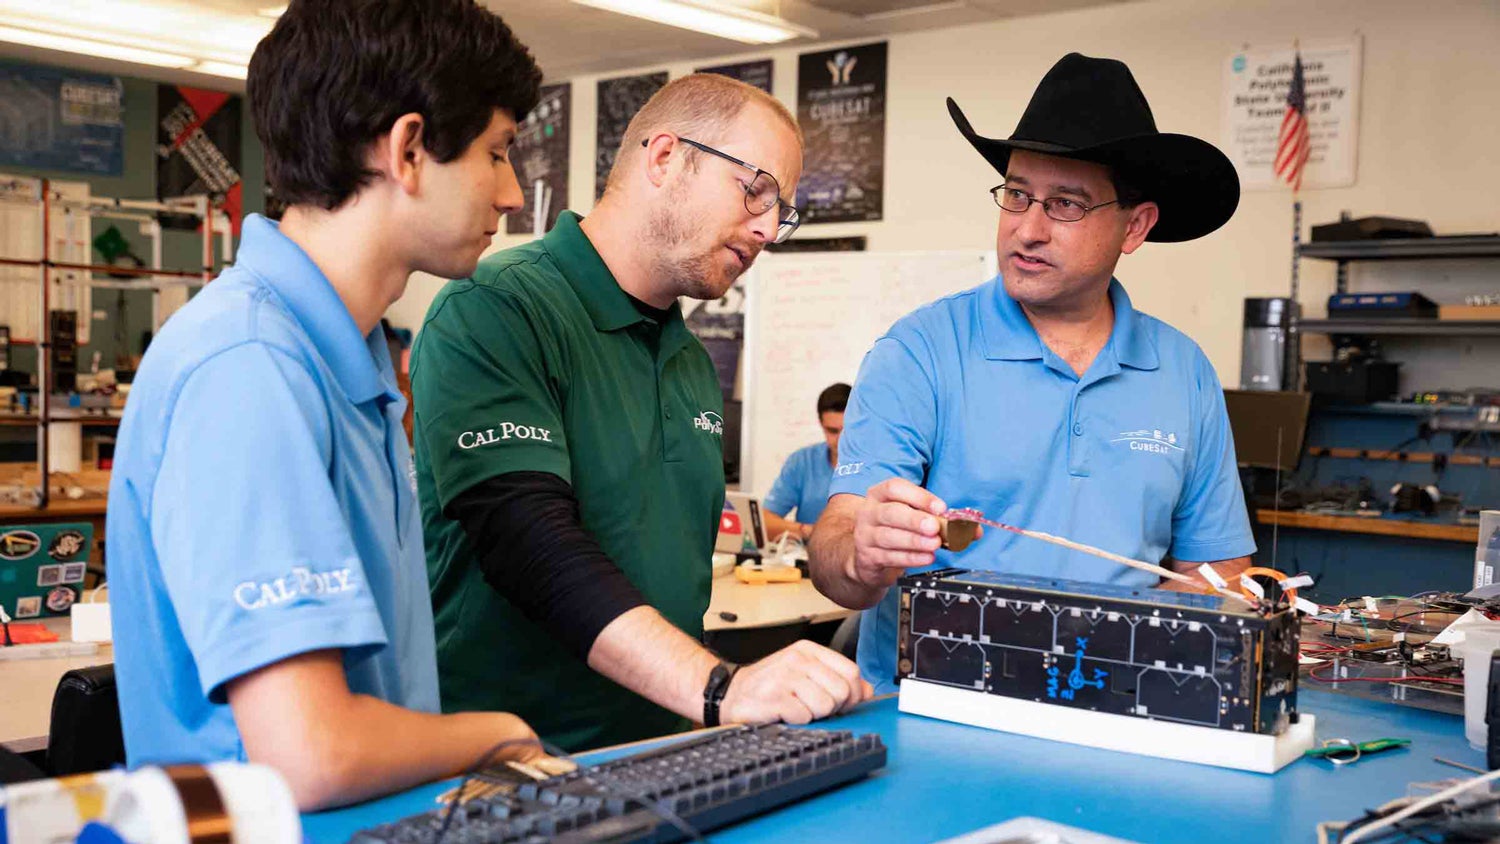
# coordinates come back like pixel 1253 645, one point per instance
pixel 227 69
pixel 90 47
pixel 909 11
pixel 741 25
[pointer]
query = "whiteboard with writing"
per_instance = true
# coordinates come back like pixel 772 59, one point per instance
pixel 809 320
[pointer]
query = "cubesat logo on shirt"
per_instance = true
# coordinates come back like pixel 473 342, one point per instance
pixel 710 422
pixel 1151 441
pixel 254 595
pixel 505 431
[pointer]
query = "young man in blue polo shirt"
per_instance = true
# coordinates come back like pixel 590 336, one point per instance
pixel 270 598
pixel 802 486
pixel 1043 398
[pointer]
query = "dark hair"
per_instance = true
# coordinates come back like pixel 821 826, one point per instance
pixel 834 399
pixel 1126 193
pixel 333 75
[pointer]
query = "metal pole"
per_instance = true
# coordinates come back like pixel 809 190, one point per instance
pixel 208 237
pixel 1293 379
pixel 43 352
pixel 153 229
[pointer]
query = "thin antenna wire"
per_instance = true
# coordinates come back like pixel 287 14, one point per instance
pixel 1276 502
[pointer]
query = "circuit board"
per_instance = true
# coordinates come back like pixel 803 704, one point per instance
pixel 1195 659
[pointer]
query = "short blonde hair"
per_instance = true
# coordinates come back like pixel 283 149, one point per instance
pixel 700 106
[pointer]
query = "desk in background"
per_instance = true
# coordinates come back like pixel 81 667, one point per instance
pixel 767 617
pixel 944 779
pixel 768 605
pixel 27 685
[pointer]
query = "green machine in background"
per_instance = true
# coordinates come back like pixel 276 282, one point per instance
pixel 42 567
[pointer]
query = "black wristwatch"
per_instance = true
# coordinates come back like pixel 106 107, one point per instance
pixel 714 691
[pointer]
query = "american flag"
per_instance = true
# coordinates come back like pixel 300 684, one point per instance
pixel 1293 145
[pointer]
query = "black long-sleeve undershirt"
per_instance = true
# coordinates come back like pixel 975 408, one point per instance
pixel 533 549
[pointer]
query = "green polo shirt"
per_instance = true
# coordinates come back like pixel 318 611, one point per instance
pixel 540 362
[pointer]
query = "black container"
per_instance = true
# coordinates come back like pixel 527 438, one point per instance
pixel 1370 228
pixel 1188 659
pixel 1357 381
pixel 1266 358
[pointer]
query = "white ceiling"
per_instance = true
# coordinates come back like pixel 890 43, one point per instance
pixel 569 40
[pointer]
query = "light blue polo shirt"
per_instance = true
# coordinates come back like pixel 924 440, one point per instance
pixel 802 485
pixel 1135 457
pixel 262 505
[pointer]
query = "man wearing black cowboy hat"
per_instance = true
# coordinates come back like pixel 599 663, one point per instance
pixel 1043 398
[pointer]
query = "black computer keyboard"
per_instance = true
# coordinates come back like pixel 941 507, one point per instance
pixel 707 783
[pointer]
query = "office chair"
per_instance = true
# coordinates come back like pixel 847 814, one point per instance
pixel 85 733
pixel 846 639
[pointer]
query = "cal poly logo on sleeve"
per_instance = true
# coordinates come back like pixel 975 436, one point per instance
pixel 504 431
pixel 299 582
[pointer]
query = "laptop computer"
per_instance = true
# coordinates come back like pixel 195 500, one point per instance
pixel 741 530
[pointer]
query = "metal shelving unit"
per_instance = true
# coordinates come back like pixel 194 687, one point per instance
pixel 39 192
pixel 1403 326
pixel 1396 249
pixel 1405 249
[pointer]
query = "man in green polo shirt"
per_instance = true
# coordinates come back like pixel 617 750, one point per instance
pixel 569 444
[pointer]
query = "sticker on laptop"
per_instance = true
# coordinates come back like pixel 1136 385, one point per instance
pixel 67 544
pixel 49 575
pixel 60 599
pixel 74 572
pixel 18 544
pixel 29 607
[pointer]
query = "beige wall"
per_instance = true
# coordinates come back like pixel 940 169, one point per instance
pixel 1429 144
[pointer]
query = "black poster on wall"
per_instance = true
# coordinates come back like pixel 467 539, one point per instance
pixel 756 73
pixel 540 156
pixel 841 106
pixel 720 326
pixel 619 100
pixel 198 150
pixel 56 119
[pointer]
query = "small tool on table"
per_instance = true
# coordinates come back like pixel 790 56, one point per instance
pixel 758 575
pixel 1345 752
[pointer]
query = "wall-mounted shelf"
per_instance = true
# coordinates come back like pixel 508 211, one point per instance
pixel 29 419
pixel 1402 326
pixel 1376 525
pixel 1405 249
pixel 1414 457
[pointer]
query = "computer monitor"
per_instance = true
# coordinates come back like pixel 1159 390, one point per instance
pixel 1256 417
pixel 731 440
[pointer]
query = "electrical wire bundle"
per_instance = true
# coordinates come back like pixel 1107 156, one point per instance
pixel 1450 815
pixel 1362 615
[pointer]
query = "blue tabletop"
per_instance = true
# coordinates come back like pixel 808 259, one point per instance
pixel 943 779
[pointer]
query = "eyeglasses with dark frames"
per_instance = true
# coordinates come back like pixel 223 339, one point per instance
pixel 762 192
pixel 1059 208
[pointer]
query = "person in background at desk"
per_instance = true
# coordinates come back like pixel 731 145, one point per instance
pixel 265 553
pixel 803 483
pixel 569 443
pixel 1043 398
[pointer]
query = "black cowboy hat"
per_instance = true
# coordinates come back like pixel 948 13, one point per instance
pixel 1092 110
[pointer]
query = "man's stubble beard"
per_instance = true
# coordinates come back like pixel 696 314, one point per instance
pixel 671 234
